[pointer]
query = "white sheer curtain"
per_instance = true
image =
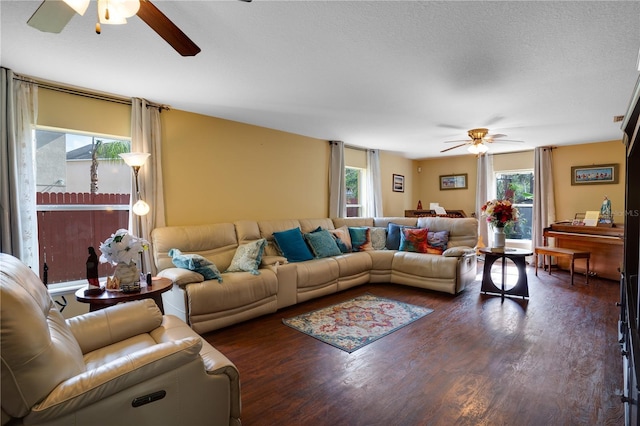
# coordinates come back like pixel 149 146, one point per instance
pixel 337 190
pixel 374 189
pixel 544 207
pixel 146 137
pixel 485 191
pixel 18 224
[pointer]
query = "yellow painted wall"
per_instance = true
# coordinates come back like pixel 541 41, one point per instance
pixel 571 199
pixel 428 181
pixel 218 170
pixel 395 203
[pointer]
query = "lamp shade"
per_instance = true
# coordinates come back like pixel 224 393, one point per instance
pixel 135 159
pixel 119 11
pixel 80 6
pixel 140 208
pixel 479 148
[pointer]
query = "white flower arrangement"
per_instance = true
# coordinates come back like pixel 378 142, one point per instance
pixel 122 247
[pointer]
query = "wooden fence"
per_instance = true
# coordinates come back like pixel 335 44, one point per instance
pixel 69 223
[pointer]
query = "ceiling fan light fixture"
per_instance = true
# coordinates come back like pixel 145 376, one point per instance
pixel 116 12
pixel 80 6
pixel 478 148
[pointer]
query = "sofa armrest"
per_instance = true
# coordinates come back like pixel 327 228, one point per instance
pixel 113 324
pixel 116 376
pixel 215 362
pixel 181 276
pixel 458 251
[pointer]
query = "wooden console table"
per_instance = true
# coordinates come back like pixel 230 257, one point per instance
pixel 432 213
pixel 605 245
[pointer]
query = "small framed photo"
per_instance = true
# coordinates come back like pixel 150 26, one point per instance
pixel 453 181
pixel 398 183
pixel 594 175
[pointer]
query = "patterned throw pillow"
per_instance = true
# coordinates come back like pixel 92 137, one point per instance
pixel 292 245
pixel 196 263
pixel 393 235
pixel 378 238
pixel 414 240
pixel 248 257
pixel 343 235
pixel 438 241
pixel 322 244
pixel 360 238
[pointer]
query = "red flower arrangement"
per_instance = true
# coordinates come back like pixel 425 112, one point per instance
pixel 500 213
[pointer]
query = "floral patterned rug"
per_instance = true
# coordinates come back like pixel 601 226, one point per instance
pixel 357 322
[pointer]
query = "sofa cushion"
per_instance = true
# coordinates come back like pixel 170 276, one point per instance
pixel 196 263
pixel 248 257
pixel 292 245
pixel 393 235
pixel 322 243
pixel 360 238
pixel 414 239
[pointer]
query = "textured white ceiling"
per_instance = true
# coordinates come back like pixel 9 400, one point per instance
pixel 401 76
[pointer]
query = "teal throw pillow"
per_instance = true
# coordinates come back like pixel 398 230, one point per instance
pixel 248 257
pixel 292 245
pixel 322 243
pixel 196 263
pixel 360 238
pixel 393 235
pixel 415 240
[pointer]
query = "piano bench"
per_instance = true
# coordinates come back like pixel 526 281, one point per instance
pixel 561 252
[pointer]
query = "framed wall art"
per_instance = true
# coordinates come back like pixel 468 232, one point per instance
pixel 398 183
pixel 453 181
pixel 594 175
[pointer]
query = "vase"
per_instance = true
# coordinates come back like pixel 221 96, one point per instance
pixel 127 273
pixel 498 237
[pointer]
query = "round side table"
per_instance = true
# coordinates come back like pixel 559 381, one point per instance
pixel 110 297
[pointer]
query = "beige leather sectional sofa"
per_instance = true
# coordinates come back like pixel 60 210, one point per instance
pixel 209 305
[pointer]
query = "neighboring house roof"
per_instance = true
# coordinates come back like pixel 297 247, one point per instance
pixel 82 153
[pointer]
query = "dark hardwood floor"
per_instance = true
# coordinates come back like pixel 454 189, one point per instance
pixel 550 360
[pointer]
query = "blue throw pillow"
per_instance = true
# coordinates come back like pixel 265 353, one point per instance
pixel 292 245
pixel 322 243
pixel 393 235
pixel 196 263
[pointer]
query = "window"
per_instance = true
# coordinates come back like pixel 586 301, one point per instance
pixel 354 182
pixel 83 193
pixel 517 186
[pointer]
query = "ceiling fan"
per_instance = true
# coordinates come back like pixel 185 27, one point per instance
pixel 53 15
pixel 479 139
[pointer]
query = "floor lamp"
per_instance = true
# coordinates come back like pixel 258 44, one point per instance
pixel 135 160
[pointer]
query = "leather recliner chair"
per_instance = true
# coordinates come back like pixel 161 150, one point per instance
pixel 126 364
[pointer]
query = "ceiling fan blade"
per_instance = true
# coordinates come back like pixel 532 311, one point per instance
pixel 459 140
pixel 51 16
pixel 453 147
pixel 496 136
pixel 167 29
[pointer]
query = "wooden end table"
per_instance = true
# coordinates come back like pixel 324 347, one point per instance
pixel 521 289
pixel 111 297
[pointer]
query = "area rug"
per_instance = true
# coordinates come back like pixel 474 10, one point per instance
pixel 357 322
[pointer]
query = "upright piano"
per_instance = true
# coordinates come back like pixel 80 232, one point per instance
pixel 605 244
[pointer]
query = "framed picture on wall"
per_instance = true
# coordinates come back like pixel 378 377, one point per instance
pixel 594 175
pixel 398 183
pixel 453 181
